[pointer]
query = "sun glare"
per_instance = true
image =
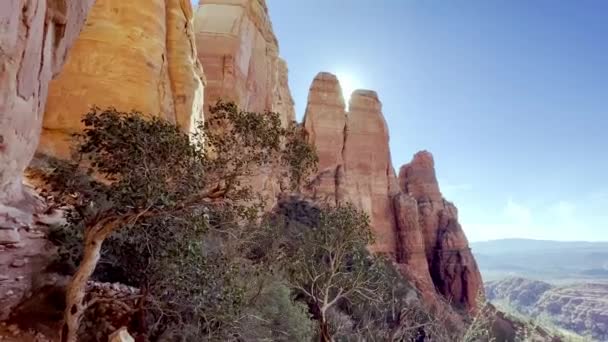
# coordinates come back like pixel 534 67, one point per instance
pixel 349 83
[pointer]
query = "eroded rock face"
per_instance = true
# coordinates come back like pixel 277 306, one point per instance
pixel 354 159
pixel 410 250
pixel 132 55
pixel 411 221
pixel 325 123
pixel 35 37
pixel 240 54
pixel 453 268
pixel 370 179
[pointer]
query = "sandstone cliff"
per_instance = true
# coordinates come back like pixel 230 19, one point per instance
pixel 240 55
pixel 35 37
pixel 132 55
pixel 411 221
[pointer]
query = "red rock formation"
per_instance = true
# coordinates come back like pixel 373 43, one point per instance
pixel 370 179
pixel 354 160
pixel 410 219
pixel 240 55
pixel 325 122
pixel 410 250
pixel 35 37
pixel 452 266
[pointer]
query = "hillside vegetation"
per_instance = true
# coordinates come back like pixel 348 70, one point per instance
pixel 201 258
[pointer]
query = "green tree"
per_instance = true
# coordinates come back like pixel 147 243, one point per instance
pixel 326 260
pixel 158 183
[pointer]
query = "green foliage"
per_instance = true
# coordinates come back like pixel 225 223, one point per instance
pixel 329 261
pixel 240 143
pixel 197 212
pixel 275 316
pixel 210 265
pixel 322 251
pixel 149 161
pixel 300 157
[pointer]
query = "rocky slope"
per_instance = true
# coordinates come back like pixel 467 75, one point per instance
pixel 582 308
pixel 132 55
pixel 411 221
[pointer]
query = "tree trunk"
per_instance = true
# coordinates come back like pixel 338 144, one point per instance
pixel 76 291
pixel 324 334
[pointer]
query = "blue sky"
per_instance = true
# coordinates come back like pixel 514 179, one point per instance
pixel 510 96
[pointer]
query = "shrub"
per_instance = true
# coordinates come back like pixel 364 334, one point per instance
pixel 163 198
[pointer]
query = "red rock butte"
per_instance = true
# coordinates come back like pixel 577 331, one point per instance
pixel 411 221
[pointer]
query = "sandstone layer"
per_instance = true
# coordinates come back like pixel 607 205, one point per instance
pixel 411 221
pixel 132 55
pixel 35 37
pixel 240 54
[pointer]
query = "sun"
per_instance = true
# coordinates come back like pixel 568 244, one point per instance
pixel 348 83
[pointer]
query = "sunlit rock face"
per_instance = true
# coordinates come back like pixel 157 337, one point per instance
pixel 325 123
pixel 132 55
pixel 35 37
pixel 370 179
pixel 354 160
pixel 240 54
pixel 411 221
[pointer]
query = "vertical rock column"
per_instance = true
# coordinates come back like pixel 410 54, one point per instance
pixel 132 55
pixel 325 122
pixel 411 221
pixel 453 268
pixel 354 157
pixel 35 36
pixel 370 179
pixel 240 54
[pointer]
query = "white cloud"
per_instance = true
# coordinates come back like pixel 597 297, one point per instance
pixel 558 220
pixel 517 213
pixel 563 210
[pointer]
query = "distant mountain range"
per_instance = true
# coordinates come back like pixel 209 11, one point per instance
pixel 580 308
pixel 552 261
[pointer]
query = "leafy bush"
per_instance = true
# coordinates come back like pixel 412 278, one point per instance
pixel 353 295
pixel 274 315
pixel 174 209
pixel 179 220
